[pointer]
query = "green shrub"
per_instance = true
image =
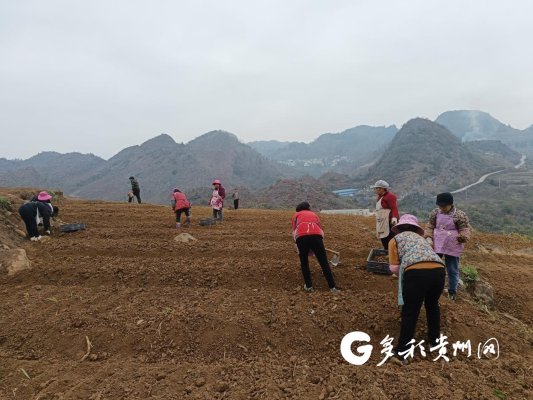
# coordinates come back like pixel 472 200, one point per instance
pixel 469 274
pixel 5 204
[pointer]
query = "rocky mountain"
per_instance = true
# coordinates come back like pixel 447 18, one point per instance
pixel 471 125
pixel 49 169
pixel 339 152
pixel 426 157
pixel 161 164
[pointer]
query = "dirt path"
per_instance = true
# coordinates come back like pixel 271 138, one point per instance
pixel 226 317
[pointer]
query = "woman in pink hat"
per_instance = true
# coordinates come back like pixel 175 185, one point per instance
pixel 32 212
pixel 420 280
pixel 217 199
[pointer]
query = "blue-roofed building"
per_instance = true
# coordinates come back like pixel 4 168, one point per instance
pixel 346 192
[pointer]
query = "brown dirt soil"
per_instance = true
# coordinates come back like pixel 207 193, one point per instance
pixel 225 317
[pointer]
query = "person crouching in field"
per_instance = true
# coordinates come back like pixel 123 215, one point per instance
pixel 420 279
pixel 308 235
pixel 32 212
pixel 181 205
pixel 447 230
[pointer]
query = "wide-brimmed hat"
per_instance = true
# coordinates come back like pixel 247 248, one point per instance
pixel 44 196
pixel 381 184
pixel 216 182
pixel 408 219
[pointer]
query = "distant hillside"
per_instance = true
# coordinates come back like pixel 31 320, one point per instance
pixel 426 157
pixel 288 193
pixel 494 151
pixel 161 164
pixel 471 125
pixel 339 152
pixel 49 169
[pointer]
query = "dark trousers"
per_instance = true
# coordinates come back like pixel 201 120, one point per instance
pixel 28 217
pixel 316 244
pixel 187 212
pixel 136 193
pixel 421 286
pixel 385 241
pixel 217 214
pixel 236 204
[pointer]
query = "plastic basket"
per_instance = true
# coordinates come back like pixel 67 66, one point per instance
pixel 377 267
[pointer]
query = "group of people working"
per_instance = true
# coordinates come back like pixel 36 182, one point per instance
pixel 182 206
pixel 419 258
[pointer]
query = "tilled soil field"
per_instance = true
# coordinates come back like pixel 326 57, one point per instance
pixel 226 317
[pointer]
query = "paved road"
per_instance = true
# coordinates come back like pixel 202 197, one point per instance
pixel 482 179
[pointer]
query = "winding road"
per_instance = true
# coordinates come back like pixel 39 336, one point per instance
pixel 482 179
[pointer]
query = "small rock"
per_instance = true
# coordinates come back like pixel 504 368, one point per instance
pixel 221 387
pixel 140 322
pixel 93 357
pixel 21 233
pixel 38 287
pixel 185 238
pixel 200 382
pixel 160 376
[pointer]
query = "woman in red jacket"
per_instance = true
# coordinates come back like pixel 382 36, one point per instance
pixel 387 213
pixel 180 205
pixel 308 235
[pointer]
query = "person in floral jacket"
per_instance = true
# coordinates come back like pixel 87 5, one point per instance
pixel 420 280
pixel 447 230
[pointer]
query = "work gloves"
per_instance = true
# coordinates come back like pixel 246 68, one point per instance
pixel 394 221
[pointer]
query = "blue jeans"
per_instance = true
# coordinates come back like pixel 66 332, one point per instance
pixel 452 269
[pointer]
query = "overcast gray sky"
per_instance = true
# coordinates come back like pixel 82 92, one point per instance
pixel 97 76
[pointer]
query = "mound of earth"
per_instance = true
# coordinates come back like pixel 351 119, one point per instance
pixel 123 311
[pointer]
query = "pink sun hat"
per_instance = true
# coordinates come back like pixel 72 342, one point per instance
pixel 408 219
pixel 44 196
pixel 216 181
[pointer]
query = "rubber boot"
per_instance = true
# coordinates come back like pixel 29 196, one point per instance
pixel 188 221
pixel 178 225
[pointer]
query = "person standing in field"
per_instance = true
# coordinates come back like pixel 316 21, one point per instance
pixel 387 213
pixel 447 230
pixel 135 189
pixel 217 199
pixel 235 197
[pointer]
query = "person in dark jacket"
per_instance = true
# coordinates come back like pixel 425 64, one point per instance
pixel 135 189
pixel 32 211
pixel 308 235
pixel 46 198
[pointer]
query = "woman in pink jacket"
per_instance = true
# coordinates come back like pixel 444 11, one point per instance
pixel 180 205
